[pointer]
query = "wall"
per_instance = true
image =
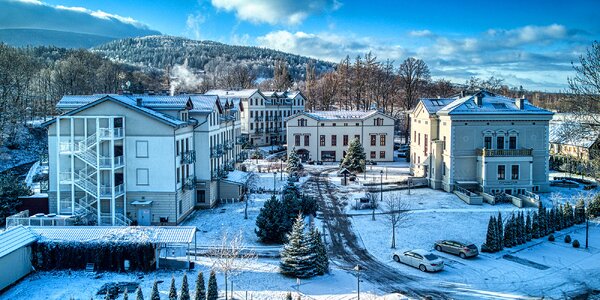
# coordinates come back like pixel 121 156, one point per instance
pixel 15 266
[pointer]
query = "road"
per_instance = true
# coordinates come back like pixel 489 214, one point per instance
pixel 345 247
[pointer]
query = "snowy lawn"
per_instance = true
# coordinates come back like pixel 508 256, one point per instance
pixel 260 278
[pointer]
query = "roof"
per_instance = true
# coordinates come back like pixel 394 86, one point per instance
pixel 490 104
pixel 14 238
pixel 573 133
pixel 238 177
pixel 433 105
pixel 139 234
pixel 245 93
pixel 340 115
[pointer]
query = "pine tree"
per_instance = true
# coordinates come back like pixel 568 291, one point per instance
pixel 125 295
pixel 568 215
pixel 212 293
pixel 270 222
pixel 294 165
pixel 550 220
pixel 296 257
pixel 138 294
pixel 185 289
pixel 500 232
pixel 508 234
pixel 535 228
pixel 593 207
pixel 355 157
pixel 200 293
pixel 528 229
pixel 107 296
pixel 322 261
pixel 580 211
pixel 288 296
pixel 155 295
pixel 491 238
pixel 173 290
pixel 542 220
pixel 291 206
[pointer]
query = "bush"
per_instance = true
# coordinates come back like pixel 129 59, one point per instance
pixel 567 239
pixel 484 248
pixel 551 237
pixel 576 244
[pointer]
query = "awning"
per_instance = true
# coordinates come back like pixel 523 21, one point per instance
pixel 144 202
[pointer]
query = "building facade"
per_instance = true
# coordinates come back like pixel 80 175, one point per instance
pixel 574 140
pixel 325 135
pixel 263 119
pixel 144 158
pixel 482 142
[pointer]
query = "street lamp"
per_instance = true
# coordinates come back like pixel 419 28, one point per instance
pixel 274 178
pixel 381 186
pixel 357 269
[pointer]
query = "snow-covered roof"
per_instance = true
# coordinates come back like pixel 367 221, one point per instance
pixel 136 234
pixel 433 105
pixel 573 133
pixel 15 238
pixel 340 115
pixel 245 93
pixel 490 104
pixel 238 177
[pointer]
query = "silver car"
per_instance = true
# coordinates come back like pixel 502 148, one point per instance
pixel 461 249
pixel 421 259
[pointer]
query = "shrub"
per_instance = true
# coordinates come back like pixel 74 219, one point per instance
pixel 576 244
pixel 567 239
pixel 551 237
pixel 484 248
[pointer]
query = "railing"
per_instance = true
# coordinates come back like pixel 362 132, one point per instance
pixel 105 191
pixel 258 119
pixel 228 145
pixel 64 177
pixel 87 143
pixel 241 140
pixel 189 183
pixel 188 157
pixel 532 195
pixel 111 133
pixel 463 190
pixel 120 219
pixel 105 161
pixel 66 147
pixel 258 130
pixel 504 152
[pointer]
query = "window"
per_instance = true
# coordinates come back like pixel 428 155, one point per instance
pixel 178 176
pixel 501 172
pixel 500 142
pixel 381 154
pixel 141 149
pixel 382 140
pixel 415 135
pixel 141 176
pixel 373 140
pixel 306 140
pixel 251 113
pixel 322 140
pixel 512 142
pixel 373 154
pixel 357 124
pixel 487 142
pixel 251 126
pixel 419 139
pixel 183 115
pixel 322 124
pixel 334 140
pixel 378 122
pixel 426 144
pixel 297 140
pixel 444 144
pixel 443 168
pixel 514 172
pixel 177 148
pixel 345 124
pixel 333 124
pixel 345 140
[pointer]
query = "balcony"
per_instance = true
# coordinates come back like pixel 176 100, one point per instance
pixel 105 191
pixel 107 133
pixel 240 140
pixel 504 152
pixel 188 157
pixel 258 119
pixel 189 183
pixel 228 145
pixel 259 130
pixel 227 117
pixel 216 151
pixel 105 161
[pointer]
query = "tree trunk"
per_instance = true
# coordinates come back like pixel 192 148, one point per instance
pixel 394 237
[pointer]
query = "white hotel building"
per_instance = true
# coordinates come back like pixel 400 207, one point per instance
pixel 484 143
pixel 325 135
pixel 144 158
pixel 263 118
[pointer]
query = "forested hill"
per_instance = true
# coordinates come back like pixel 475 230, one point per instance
pixel 162 52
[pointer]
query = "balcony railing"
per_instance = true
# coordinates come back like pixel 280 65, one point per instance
pixel 216 151
pixel 240 140
pixel 504 152
pixel 258 119
pixel 189 183
pixel 105 191
pixel 259 130
pixel 105 162
pixel 188 157
pixel 228 145
pixel 111 133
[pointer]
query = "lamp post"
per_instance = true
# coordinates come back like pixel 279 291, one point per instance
pixel 381 186
pixel 281 169
pixel 274 179
pixel 357 269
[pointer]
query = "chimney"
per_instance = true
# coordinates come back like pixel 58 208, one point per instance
pixel 138 101
pixel 478 100
pixel 520 102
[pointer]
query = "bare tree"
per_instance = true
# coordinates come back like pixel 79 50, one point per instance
pixel 231 256
pixel 585 86
pixel 413 75
pixel 396 213
pixel 373 202
pixel 251 184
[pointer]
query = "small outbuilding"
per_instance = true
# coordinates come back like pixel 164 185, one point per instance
pixel 15 255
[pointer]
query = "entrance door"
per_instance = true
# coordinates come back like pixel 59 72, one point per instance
pixel 143 216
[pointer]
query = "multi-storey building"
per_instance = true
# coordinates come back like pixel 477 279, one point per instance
pixel 572 139
pixel 263 119
pixel 482 142
pixel 146 158
pixel 325 135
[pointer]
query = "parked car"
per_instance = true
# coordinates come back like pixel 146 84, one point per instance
pixel 371 162
pixel 461 249
pixel 421 259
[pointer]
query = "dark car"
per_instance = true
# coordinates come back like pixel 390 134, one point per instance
pixel 461 249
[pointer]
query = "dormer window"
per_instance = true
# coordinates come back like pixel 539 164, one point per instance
pixel 302 122
pixel 184 115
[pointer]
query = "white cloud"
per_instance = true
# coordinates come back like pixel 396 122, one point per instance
pixel 289 12
pixel 421 33
pixel 192 25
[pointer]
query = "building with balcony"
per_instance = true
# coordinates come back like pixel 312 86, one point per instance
pixel 263 119
pixel 145 158
pixel 326 135
pixel 482 143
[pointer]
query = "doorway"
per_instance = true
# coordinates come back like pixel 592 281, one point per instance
pixel 143 217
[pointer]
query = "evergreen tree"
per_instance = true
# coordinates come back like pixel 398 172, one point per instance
pixel 559 224
pixel 294 165
pixel 212 293
pixel 580 211
pixel 173 290
pixel 491 238
pixel 500 232
pixel 296 257
pixel 568 215
pixel 593 208
pixel 542 220
pixel 508 234
pixel 528 229
pixel 535 228
pixel 550 219
pixel 185 289
pixel 138 294
pixel 200 293
pixel 125 295
pixel 309 205
pixel 291 206
pixel 270 222
pixel 288 296
pixel 322 261
pixel 107 296
pixel 355 157
pixel 155 295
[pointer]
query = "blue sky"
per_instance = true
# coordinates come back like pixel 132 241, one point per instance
pixel 529 43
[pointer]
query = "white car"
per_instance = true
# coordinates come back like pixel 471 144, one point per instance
pixel 419 258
